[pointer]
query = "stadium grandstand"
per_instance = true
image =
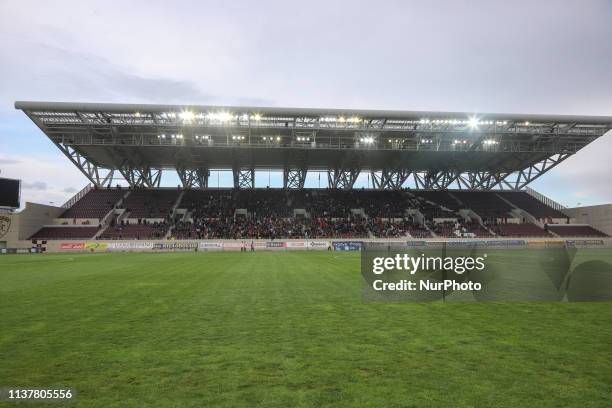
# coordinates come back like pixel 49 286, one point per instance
pixel 433 174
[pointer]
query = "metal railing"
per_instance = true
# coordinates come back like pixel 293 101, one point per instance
pixel 542 198
pixel 77 197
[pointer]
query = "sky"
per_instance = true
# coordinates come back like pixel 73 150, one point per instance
pixel 547 57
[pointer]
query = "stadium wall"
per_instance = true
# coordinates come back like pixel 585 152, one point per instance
pixel 23 224
pixel 598 216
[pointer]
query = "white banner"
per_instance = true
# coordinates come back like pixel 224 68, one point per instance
pixel 295 244
pixel 175 246
pixel 318 245
pixel 210 246
pixel 130 246
pixel 232 246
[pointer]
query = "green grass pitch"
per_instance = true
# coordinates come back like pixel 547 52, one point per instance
pixel 283 330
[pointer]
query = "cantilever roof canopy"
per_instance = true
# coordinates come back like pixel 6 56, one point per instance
pixel 434 149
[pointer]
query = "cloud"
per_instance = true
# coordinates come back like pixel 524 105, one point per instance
pixel 581 178
pixel 81 76
pixel 290 55
pixel 4 162
pixel 36 185
pixel 58 173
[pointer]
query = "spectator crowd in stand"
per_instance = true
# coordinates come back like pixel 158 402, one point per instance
pixel 270 228
pixel 142 229
pixel 143 213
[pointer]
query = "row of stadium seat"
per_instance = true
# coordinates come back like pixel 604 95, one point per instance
pixel 576 231
pixel 484 203
pixel 531 204
pixel 66 233
pixel 519 230
pixel 212 213
pixel 145 203
pixel 136 231
pixel 157 203
pixel 95 204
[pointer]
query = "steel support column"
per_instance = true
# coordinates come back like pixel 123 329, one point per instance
pixel 389 179
pixel 434 180
pixel 519 179
pixel 99 176
pixel 244 177
pixel 294 178
pixel 141 176
pixel 342 178
pixel 191 178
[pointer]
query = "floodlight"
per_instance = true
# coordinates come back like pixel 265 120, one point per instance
pixel 367 140
pixel 186 116
pixel 473 122
pixel 219 116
